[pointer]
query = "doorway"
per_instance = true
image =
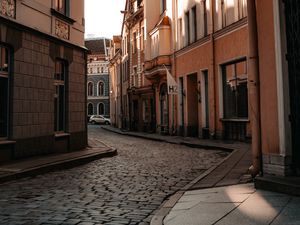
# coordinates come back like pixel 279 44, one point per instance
pixel 164 109
pixel 292 12
pixel 192 105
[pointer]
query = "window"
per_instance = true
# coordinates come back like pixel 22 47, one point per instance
pixel 142 38
pixel 223 13
pixel 163 6
pixel 205 29
pixel 63 6
pixel 187 28
pixel 134 49
pixel 60 96
pixel 101 88
pixel 90 89
pixel 235 91
pixel 242 6
pixel 139 2
pixel 102 70
pixel 101 109
pixel 194 24
pixel 180 33
pixel 90 109
pixel 4 87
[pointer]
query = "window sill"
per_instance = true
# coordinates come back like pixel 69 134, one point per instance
pixel 246 120
pixel 6 142
pixel 62 16
pixel 61 135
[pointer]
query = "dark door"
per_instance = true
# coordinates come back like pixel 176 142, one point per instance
pixel 292 12
pixel 164 109
pixel 135 119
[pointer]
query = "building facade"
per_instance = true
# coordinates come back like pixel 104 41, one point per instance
pixel 115 82
pixel 278 50
pixel 97 76
pixel 203 44
pixel 42 78
pixel 211 69
pixel 140 93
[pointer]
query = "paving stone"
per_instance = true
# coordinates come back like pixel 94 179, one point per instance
pixel 124 189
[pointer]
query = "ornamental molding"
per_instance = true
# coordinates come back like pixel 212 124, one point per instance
pixel 8 8
pixel 62 29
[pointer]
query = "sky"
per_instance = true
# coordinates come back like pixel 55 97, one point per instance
pixel 103 18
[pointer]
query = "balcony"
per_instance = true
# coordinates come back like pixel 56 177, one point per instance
pixel 155 68
pixel 160 50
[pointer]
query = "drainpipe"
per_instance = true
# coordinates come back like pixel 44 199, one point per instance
pixel 174 32
pixel 254 93
pixel 213 70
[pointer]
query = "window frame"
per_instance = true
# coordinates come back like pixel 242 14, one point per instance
pixel 7 76
pixel 101 83
pixel 102 104
pixel 90 92
pixel 62 6
pixel 194 25
pixel 187 28
pixel 60 81
pixel 235 79
pixel 163 6
pixel 90 104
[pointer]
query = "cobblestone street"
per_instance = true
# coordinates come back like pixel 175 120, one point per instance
pixel 125 189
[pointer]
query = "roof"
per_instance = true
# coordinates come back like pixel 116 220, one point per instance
pixel 97 45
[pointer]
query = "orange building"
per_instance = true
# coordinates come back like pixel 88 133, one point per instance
pixel 278 47
pixel 211 67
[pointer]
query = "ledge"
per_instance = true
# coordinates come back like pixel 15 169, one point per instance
pixel 62 16
pixel 61 135
pixel 7 142
pixel 235 120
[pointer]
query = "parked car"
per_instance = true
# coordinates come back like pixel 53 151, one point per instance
pixel 99 119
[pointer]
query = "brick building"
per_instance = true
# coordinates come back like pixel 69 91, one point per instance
pixel 42 78
pixel 97 76
pixel 139 106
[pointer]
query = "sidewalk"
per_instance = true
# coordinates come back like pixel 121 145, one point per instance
pixel 42 164
pixel 232 170
pixel 239 204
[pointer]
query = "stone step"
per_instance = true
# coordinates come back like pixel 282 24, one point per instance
pixel 287 185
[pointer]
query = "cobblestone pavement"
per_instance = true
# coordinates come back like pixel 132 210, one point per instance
pixel 125 189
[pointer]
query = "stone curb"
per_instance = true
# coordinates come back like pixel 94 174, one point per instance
pixel 169 203
pixel 185 143
pixel 58 165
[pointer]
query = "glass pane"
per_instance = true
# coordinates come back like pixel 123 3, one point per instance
pixel 3 106
pixel 61 108
pixel 242 100
pixel 4 60
pixel 229 90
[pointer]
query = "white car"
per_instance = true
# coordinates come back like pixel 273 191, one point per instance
pixel 99 119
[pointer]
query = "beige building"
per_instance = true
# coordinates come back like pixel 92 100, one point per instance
pixel 115 80
pixel 42 77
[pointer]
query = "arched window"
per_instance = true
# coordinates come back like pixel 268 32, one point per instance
pixel 101 109
pixel 90 109
pixel 100 88
pixel 90 89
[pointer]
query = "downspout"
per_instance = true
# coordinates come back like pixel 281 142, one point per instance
pixel 174 31
pixel 121 88
pixel 254 92
pixel 213 70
